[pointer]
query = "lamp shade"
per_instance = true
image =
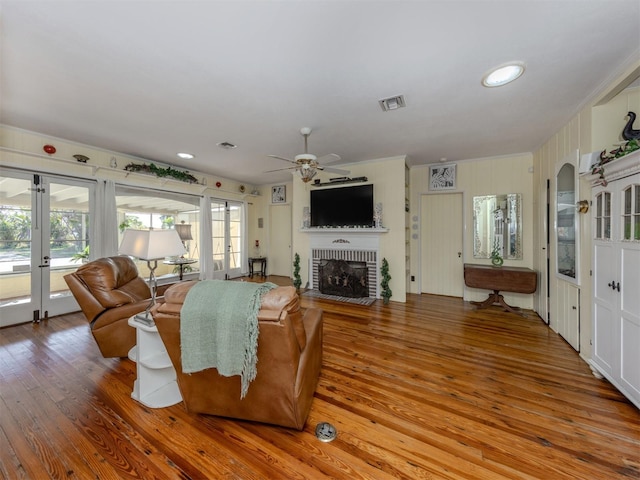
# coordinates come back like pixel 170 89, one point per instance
pixel 151 244
pixel 184 231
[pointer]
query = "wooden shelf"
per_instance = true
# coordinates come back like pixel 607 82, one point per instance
pixel 341 182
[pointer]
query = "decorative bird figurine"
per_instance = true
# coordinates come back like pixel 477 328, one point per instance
pixel 628 133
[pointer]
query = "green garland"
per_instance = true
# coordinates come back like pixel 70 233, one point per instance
pixel 625 149
pixel 161 172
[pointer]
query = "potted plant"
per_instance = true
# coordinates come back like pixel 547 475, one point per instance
pixel 386 291
pixel 82 256
pixel 297 281
pixel 496 257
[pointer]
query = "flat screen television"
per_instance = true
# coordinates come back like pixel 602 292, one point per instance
pixel 342 207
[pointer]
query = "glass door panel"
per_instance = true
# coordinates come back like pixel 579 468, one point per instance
pixel 236 238
pixel 218 221
pixel 43 235
pixel 16 198
pixel 227 226
pixel 67 241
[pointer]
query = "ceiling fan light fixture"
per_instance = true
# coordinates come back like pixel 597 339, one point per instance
pixel 503 74
pixel 305 157
pixel 392 103
pixel 307 173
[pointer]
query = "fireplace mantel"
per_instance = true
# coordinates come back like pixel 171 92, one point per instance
pixel 345 230
pixel 345 238
pixel 349 238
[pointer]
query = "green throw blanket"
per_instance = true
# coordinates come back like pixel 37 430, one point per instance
pixel 219 328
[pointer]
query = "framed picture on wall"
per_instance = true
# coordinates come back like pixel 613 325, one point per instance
pixel 442 177
pixel 279 194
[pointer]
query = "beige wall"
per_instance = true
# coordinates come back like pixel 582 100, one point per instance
pixel 488 176
pixel 23 149
pixel 258 207
pixel 594 128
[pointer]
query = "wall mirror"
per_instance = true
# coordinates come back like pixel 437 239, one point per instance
pixel 497 223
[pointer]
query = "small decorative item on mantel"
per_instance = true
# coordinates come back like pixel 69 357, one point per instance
pixel 377 215
pixel 81 158
pixel 306 217
pixel 628 132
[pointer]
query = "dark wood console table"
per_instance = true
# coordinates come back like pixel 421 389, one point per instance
pixel 506 279
pixel 262 261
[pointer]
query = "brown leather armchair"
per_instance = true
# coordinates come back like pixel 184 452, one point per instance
pixel 109 291
pixel 289 362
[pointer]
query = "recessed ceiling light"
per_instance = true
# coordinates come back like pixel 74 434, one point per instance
pixel 502 75
pixel 185 156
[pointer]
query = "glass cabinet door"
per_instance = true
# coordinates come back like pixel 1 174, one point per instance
pixel 631 213
pixel 566 223
pixel 603 216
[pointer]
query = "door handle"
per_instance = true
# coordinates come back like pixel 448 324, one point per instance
pixel 459 254
pixel 45 261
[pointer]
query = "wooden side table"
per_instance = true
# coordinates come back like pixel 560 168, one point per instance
pixel 507 279
pixel 263 265
pixel 156 385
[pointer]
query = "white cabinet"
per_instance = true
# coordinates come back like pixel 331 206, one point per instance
pixel 156 385
pixel 568 313
pixel 616 276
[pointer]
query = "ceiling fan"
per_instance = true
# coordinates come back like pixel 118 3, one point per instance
pixel 308 164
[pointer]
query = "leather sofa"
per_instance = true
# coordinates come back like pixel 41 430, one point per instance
pixel 110 291
pixel 288 367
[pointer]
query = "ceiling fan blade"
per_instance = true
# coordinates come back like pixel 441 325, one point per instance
pixel 282 158
pixel 281 169
pixel 329 158
pixel 334 170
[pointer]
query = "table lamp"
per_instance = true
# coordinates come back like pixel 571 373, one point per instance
pixel 184 232
pixel 151 245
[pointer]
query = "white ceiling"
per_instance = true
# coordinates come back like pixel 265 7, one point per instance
pixel 152 78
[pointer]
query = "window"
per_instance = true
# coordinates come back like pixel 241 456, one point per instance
pixel 147 208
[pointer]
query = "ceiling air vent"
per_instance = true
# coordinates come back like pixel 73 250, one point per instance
pixel 226 145
pixel 392 103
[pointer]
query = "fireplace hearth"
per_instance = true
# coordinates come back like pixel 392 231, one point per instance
pixel 343 278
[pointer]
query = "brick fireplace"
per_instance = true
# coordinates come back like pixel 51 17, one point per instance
pixel 350 248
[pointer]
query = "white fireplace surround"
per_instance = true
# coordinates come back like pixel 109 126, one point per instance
pixel 350 244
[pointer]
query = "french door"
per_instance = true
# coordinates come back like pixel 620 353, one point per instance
pixel 44 234
pixel 227 226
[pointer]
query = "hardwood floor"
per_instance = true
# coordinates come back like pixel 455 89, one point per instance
pixel 430 389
